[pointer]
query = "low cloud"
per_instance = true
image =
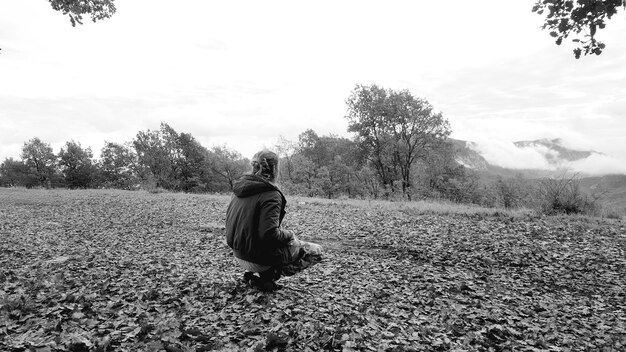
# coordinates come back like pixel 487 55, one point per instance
pixel 506 154
pixel 599 164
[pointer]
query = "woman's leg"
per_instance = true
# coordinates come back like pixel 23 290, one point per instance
pixel 302 255
pixel 267 279
pixel 291 259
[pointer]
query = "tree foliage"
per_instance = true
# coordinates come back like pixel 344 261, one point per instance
pixel 76 165
pixel 440 176
pixel 400 143
pixel 315 165
pixel 15 173
pixel 168 157
pixel 118 166
pixel 394 129
pixel 228 164
pixel 193 172
pixel 76 9
pixel 285 150
pixel 580 19
pixel 159 159
pixel 178 161
pixel 514 192
pixel 40 159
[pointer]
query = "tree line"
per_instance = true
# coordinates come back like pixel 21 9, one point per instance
pixel 154 159
pixel 400 150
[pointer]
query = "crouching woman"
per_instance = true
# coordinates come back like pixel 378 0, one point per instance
pixel 253 228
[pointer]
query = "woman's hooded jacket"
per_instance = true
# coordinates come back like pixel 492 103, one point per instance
pixel 253 221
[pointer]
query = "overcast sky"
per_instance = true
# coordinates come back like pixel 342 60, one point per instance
pixel 243 73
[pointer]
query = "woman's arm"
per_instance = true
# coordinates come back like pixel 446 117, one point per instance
pixel 269 221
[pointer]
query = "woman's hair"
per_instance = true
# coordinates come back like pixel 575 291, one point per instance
pixel 265 165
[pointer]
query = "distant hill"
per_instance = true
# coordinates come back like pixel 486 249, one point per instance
pixel 467 154
pixel 610 188
pixel 557 157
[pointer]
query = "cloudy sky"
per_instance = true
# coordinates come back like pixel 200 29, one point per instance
pixel 243 73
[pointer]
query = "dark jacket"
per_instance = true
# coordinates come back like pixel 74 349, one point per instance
pixel 253 221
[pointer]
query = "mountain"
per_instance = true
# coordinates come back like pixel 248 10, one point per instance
pixel 467 155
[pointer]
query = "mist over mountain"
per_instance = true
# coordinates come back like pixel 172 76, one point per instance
pixel 554 151
pixel 536 158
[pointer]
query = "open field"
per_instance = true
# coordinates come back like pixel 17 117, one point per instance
pixel 134 271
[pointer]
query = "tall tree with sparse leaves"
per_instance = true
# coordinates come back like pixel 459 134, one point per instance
pixel 395 129
pixel 228 164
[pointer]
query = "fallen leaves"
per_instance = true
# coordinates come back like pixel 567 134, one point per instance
pixel 112 270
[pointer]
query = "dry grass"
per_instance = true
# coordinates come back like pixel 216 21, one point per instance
pixel 418 207
pixel 415 207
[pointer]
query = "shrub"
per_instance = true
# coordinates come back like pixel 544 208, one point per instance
pixel 514 192
pixel 563 196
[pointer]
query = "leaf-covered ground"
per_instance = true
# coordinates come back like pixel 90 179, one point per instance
pixel 133 271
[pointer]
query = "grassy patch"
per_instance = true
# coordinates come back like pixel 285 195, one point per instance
pixel 417 207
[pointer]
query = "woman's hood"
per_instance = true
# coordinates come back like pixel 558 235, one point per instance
pixel 250 185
